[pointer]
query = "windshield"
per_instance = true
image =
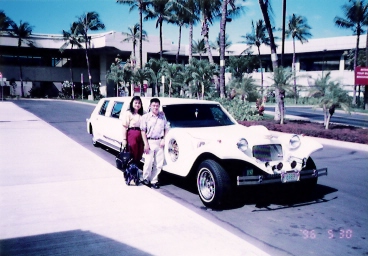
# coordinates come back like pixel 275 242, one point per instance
pixel 196 115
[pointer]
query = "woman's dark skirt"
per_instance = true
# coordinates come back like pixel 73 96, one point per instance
pixel 136 144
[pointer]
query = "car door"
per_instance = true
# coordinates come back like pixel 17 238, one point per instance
pixel 113 126
pixel 98 120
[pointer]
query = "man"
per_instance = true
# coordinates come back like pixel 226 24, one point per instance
pixel 154 127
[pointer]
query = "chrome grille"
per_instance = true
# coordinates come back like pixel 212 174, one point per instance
pixel 266 153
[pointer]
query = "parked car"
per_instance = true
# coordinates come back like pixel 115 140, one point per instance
pixel 205 140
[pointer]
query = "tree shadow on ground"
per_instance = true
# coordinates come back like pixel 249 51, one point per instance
pixel 73 242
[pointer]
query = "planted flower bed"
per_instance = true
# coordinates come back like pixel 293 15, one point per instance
pixel 336 132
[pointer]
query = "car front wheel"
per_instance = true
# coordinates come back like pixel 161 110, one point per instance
pixel 213 183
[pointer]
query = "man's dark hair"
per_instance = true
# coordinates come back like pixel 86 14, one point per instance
pixel 131 109
pixel 156 100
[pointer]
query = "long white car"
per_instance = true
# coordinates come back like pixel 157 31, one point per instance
pixel 205 140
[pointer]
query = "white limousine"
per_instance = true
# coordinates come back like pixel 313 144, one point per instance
pixel 207 143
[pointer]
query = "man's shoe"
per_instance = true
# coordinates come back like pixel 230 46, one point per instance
pixel 156 185
pixel 147 183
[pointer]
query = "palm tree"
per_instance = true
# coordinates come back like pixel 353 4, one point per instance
pixel 115 74
pixel 162 11
pixel 192 6
pixel 72 39
pixel 172 73
pixel 225 16
pixel 356 16
pixel 199 47
pixel 139 76
pixel 22 32
pixel 266 9
pixel 210 9
pixel 331 95
pixel 245 87
pixel 297 28
pixel 155 65
pixel 281 83
pixel 216 45
pixel 128 76
pixel 202 72
pixel 141 6
pixel 133 36
pixel 239 65
pixel 4 22
pixel 181 16
pixel 86 22
pixel 257 38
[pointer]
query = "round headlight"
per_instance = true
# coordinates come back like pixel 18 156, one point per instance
pixel 294 142
pixel 242 144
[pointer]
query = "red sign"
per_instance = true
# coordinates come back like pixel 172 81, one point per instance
pixel 361 75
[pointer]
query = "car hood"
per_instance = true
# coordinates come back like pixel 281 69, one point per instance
pixel 231 133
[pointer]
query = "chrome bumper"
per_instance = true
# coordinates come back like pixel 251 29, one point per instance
pixel 276 178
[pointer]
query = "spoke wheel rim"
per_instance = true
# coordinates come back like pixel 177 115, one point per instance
pixel 206 185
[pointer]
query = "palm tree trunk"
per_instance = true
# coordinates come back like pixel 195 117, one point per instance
pixel 355 62
pixel 270 34
pixel 208 48
pixel 325 114
pixel 222 48
pixel 294 72
pixel 140 32
pixel 280 105
pixel 202 88
pixel 71 77
pixel 205 31
pixel 88 68
pixel 366 64
pixel 260 65
pixel 328 121
pixel 160 39
pixel 275 65
pixel 21 77
pixel 170 88
pixel 20 69
pixel 177 53
pixel 190 41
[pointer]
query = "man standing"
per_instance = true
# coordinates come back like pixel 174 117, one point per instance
pixel 154 127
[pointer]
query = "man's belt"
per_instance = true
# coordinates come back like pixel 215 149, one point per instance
pixel 155 138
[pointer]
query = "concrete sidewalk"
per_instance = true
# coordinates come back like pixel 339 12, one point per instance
pixel 56 197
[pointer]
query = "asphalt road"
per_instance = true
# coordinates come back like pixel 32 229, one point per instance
pixel 332 220
pixel 316 115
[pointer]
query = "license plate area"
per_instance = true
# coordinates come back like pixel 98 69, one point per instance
pixel 289 177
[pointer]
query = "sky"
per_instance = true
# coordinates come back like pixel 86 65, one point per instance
pixel 53 16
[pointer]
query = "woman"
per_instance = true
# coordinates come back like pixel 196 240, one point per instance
pixel 131 132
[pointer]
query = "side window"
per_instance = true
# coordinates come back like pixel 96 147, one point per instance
pixel 103 108
pixel 116 109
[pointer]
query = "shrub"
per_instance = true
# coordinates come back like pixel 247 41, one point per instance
pixel 239 109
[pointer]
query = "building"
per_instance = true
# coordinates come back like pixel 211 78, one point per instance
pixel 45 68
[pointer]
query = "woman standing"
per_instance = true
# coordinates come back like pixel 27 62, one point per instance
pixel 132 132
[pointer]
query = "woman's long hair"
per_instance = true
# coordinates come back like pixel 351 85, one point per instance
pixel 131 109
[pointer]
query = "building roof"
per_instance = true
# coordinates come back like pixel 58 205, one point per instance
pixel 115 39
